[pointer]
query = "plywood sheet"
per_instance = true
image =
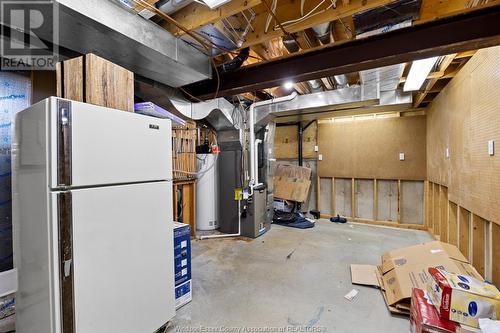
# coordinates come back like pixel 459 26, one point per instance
pixel 463 117
pixel 453 224
pixel 464 232
pixel 343 197
pixel 370 148
pixel 286 142
pixel 364 198
pixel 412 202
pixel 387 200
pixel 478 243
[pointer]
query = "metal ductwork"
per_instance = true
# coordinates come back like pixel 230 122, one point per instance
pixel 125 38
pixel 171 6
pixel 218 112
pixel 290 44
pixel 325 104
pixel 387 77
pixel 322 32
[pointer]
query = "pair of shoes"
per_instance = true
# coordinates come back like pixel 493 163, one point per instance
pixel 338 219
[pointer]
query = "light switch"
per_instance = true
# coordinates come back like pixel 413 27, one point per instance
pixel 491 147
pixel 447 152
pixel 320 157
pixel 316 148
pixel 401 156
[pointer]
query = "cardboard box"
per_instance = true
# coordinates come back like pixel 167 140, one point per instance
pixel 403 269
pixel 463 298
pixel 92 79
pixel 292 182
pixel 183 294
pixel 424 318
pixel 182 253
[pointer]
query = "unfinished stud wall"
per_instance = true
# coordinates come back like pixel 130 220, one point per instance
pixel 370 148
pixel 463 192
pixel 463 118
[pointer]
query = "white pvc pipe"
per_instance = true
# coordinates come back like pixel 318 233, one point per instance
pixel 256 159
pixel 228 235
pixel 251 125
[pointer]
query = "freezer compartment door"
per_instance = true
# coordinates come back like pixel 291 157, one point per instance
pixel 119 260
pixel 93 145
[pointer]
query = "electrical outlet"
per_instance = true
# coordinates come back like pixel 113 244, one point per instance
pixel 491 147
pixel 401 156
pixel 316 148
pixel 320 157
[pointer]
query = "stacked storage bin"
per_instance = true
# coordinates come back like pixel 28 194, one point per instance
pixel 182 262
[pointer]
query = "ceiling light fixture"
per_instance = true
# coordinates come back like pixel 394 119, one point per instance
pixel 419 71
pixel 288 85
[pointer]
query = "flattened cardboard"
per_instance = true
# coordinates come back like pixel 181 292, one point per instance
pixel 366 275
pixel 406 268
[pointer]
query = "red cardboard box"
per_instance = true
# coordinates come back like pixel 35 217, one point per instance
pixel 424 317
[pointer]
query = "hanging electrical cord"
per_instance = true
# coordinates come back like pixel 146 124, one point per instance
pixel 310 14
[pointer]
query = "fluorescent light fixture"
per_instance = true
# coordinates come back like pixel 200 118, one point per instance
pixel 214 3
pixel 419 71
pixel 288 85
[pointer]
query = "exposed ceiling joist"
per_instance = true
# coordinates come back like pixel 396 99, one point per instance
pixel 420 96
pixel 196 15
pixel 289 10
pixel 435 9
pixel 471 30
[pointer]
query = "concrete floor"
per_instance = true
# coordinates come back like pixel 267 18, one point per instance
pixel 290 277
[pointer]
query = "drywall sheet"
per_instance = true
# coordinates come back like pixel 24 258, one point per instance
pixel 15 96
pixel 387 197
pixel 370 148
pixel 326 196
pixel 443 213
pixel 412 202
pixel 453 224
pixel 286 138
pixel 479 226
pixel 495 262
pixel 463 118
pixel 364 198
pixel 464 231
pixel 343 196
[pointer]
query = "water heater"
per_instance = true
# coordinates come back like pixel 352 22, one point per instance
pixel 207 192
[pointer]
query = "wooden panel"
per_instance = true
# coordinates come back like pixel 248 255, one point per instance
pixel 286 138
pixel 453 223
pixel 412 202
pixel 478 243
pixel 464 231
pixel 343 201
pixel 463 117
pixel 95 80
pixel 370 148
pixel 495 250
pixel 387 203
pixel 443 213
pixel 364 198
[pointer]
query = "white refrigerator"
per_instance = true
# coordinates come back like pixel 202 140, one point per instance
pixel 92 220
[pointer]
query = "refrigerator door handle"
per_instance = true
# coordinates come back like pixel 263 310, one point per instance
pixel 64 143
pixel 66 278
